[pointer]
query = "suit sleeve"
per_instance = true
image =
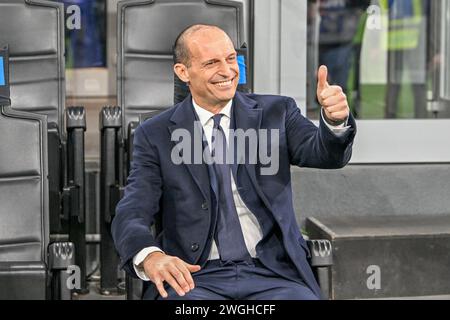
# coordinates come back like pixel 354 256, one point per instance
pixel 135 213
pixel 314 147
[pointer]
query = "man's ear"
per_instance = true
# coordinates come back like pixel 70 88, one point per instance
pixel 182 72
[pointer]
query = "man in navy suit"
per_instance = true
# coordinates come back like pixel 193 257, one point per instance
pixel 227 228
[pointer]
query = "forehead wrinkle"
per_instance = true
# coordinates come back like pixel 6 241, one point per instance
pixel 199 44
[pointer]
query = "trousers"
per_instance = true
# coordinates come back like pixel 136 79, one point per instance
pixel 241 281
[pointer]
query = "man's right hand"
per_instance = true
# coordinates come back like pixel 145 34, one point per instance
pixel 160 267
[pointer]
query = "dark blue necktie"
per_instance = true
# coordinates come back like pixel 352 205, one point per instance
pixel 229 237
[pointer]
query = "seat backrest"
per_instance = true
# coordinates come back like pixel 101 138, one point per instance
pixel 147 31
pixel 34 31
pixel 23 186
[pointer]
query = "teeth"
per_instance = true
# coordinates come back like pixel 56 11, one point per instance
pixel 224 84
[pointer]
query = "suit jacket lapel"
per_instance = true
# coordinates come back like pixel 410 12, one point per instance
pixel 184 119
pixel 248 116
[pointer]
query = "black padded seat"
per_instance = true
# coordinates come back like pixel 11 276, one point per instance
pixel 146 36
pixel 22 190
pixel 24 205
pixel 37 67
pixel 23 281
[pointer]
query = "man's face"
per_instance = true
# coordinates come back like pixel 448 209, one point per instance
pixel 213 73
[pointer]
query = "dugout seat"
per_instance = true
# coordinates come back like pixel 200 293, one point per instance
pixel 30 267
pixel 34 32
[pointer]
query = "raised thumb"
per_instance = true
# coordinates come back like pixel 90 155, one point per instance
pixel 322 76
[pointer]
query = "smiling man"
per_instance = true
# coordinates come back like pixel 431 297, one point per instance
pixel 227 231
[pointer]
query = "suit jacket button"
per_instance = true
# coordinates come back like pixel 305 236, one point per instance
pixel 205 206
pixel 195 247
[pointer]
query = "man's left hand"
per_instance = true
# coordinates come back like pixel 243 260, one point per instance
pixel 332 99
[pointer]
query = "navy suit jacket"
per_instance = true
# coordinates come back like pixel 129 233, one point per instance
pixel 180 194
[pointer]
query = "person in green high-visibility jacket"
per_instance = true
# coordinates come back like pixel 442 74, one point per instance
pixel 407 54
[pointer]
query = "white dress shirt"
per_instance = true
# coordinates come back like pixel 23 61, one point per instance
pixel 251 229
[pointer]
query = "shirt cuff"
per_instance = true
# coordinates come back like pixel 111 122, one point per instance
pixel 338 130
pixel 139 258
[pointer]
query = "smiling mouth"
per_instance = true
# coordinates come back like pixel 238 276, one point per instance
pixel 224 84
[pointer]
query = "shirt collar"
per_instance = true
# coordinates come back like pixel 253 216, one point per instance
pixel 204 115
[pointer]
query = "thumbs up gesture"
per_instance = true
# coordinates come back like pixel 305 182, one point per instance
pixel 332 99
